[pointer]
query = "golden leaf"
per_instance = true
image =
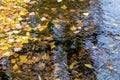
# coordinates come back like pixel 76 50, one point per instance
pixel 88 65
pixel 73 64
pixel 23 11
pixel 86 29
pixel 13 60
pixel 8 53
pixel 57 79
pixel 4 47
pixel 52 45
pixel 19 71
pixel 42 28
pixel 23 58
pixel 73 28
pixel 15 67
pixel 63 7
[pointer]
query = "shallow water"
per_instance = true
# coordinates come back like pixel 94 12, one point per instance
pixel 107 53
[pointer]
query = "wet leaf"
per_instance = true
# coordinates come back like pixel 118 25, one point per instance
pixel 42 65
pixel 19 71
pixel 59 0
pixel 89 66
pixel 86 14
pixel 57 79
pixel 13 61
pixel 4 47
pixel 63 7
pixel 72 65
pixel 15 67
pixel 42 28
pixel 86 29
pixel 23 58
pixel 52 45
pixel 73 28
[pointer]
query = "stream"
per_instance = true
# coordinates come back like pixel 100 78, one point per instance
pixel 106 52
pixel 77 53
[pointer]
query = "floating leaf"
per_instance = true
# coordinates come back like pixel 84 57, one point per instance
pixel 73 28
pixel 42 28
pixel 73 64
pixel 15 67
pixel 23 58
pixel 59 0
pixel 4 48
pixel 13 60
pixel 63 7
pixel 86 29
pixel 57 79
pixel 19 71
pixel 86 14
pixel 88 65
pixel 52 45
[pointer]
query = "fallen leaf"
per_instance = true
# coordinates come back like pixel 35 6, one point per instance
pixel 73 64
pixel 59 0
pixel 73 28
pixel 86 14
pixel 88 65
pixel 42 28
pixel 15 67
pixel 23 58
pixel 86 29
pixel 63 7
pixel 52 45
pixel 13 61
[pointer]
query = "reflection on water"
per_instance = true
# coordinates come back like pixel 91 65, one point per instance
pixel 107 53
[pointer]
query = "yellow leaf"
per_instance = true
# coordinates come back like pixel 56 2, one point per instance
pixel 27 28
pixel 57 79
pixel 23 58
pixel 73 28
pixel 23 11
pixel 86 29
pixel 46 57
pixel 19 71
pixel 42 28
pixel 8 53
pixel 4 47
pixel 13 60
pixel 52 45
pixel 86 14
pixel 15 67
pixel 72 65
pixel 16 55
pixel 88 65
pixel 63 7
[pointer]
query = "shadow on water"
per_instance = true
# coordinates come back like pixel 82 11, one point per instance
pixel 69 59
